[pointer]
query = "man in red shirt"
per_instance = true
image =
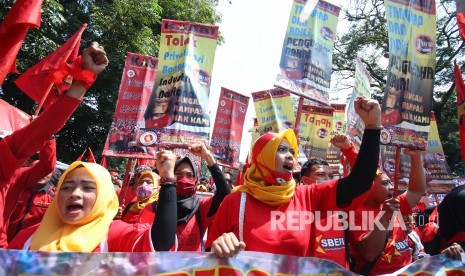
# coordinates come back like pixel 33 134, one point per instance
pixel 17 147
pixel 384 248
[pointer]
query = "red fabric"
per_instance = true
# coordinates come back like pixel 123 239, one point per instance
pixel 328 242
pixel 188 234
pixel 90 156
pixel 460 88
pixel 283 229
pixel 21 186
pixel 23 15
pixel 36 80
pixel 103 163
pixel 11 118
pixel 17 147
pixel 146 162
pixel 395 255
pixel 122 237
pixel 81 156
pixel 460 14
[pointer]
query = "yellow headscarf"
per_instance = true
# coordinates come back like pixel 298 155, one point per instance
pixel 54 235
pixel 139 205
pixel 263 154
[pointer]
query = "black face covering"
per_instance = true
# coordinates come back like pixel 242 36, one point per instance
pixel 187 208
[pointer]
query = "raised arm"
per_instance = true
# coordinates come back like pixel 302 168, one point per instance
pixel 222 188
pixel 361 177
pixel 28 140
pixel 163 231
pixel 417 180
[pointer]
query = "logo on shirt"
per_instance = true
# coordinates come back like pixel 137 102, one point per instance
pixel 329 244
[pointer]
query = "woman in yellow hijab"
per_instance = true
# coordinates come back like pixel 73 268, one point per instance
pixel 268 213
pixel 80 217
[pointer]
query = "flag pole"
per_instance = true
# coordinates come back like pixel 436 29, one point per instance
pixel 124 189
pixel 396 172
pixel 49 88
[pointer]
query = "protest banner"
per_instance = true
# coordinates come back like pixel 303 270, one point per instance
pixel 355 125
pixel 408 96
pixel 229 124
pixel 274 110
pixel 333 154
pixel 136 86
pixel 19 262
pixel 314 131
pixel 306 57
pixel 177 112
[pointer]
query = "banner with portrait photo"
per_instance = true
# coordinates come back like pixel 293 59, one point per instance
pixel 177 112
pixel 408 96
pixel 333 154
pixel 355 125
pixel 229 124
pixel 306 57
pixel 136 86
pixel 314 130
pixel 274 110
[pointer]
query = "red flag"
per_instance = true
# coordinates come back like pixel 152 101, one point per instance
pixel 90 156
pixel 11 119
pixel 23 15
pixel 81 156
pixel 146 162
pixel 103 163
pixel 460 88
pixel 53 68
pixel 460 14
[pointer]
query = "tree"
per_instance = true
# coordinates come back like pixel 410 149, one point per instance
pixel 120 26
pixel 367 37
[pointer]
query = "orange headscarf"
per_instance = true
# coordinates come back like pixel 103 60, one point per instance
pixel 140 204
pixel 263 155
pixel 85 236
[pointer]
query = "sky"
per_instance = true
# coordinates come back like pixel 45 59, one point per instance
pixel 248 61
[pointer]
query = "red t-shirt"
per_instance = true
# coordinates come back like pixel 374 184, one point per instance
pixel 327 240
pixel 189 235
pixel 17 147
pixel 396 253
pixel 122 237
pixel 283 229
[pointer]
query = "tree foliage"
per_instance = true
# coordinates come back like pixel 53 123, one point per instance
pixel 121 26
pixel 367 37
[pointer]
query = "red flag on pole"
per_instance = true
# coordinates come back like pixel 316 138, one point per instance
pixel 103 163
pixel 81 156
pixel 460 14
pixel 23 15
pixel 90 156
pixel 460 88
pixel 53 69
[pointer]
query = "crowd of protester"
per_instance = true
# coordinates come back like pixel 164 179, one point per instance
pixel 88 208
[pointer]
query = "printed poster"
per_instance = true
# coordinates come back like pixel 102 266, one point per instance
pixel 229 124
pixel 306 57
pixel 177 113
pixel 314 131
pixel 407 105
pixel 136 86
pixel 274 109
pixel 355 125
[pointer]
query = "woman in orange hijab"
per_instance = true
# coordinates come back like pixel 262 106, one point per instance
pixel 146 190
pixel 268 213
pixel 80 217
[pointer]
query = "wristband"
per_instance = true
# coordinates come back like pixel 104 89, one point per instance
pixel 63 76
pixel 170 180
pixel 378 127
